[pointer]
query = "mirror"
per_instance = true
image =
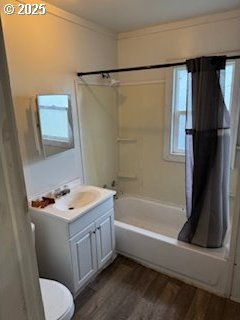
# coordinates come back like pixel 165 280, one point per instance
pixel 55 120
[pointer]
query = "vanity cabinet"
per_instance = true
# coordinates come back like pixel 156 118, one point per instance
pixel 73 252
pixel 84 255
pixel 92 248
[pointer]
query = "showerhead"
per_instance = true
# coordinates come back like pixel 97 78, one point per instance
pixel 111 81
pixel 105 75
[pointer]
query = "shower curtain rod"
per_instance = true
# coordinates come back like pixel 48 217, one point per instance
pixel 155 66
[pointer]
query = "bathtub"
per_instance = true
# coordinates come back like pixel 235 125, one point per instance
pixel 147 231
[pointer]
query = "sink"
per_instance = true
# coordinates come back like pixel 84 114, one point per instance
pixel 80 200
pixel 77 200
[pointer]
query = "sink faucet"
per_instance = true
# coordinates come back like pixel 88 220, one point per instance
pixel 59 193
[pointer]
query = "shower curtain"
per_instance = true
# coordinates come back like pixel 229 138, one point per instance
pixel 207 154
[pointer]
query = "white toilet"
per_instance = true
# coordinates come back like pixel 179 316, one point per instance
pixel 57 299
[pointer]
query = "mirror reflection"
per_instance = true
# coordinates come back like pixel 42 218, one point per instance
pixel 55 119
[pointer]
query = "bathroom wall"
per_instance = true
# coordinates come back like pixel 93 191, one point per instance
pixel 44 54
pixel 143 108
pixel 98 125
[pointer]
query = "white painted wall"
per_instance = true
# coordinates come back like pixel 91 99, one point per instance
pixel 170 42
pixel 206 35
pixel 44 53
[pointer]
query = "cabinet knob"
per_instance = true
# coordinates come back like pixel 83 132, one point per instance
pixel 98 228
pixel 94 231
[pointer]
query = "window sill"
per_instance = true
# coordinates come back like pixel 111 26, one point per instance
pixel 174 158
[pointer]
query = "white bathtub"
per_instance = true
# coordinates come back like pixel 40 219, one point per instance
pixel 147 231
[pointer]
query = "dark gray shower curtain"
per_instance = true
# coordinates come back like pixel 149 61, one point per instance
pixel 207 155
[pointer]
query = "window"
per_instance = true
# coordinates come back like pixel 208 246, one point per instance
pixel 179 106
pixel 176 143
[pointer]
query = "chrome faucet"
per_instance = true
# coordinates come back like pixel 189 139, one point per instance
pixel 59 193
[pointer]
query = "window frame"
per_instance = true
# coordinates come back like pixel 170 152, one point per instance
pixel 170 115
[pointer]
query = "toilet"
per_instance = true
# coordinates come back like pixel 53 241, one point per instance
pixel 57 299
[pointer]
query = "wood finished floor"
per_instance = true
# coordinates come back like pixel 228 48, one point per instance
pixel 127 290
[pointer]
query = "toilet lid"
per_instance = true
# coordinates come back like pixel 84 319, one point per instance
pixel 57 300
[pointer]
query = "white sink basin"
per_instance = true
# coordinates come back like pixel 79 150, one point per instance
pixel 77 200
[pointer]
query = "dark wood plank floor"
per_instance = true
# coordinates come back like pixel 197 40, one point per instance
pixel 127 290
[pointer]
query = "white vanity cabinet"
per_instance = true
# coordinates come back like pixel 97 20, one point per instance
pixel 92 248
pixel 73 252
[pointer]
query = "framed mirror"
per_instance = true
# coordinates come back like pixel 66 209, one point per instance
pixel 55 121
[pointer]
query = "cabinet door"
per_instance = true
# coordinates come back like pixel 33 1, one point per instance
pixel 84 257
pixel 105 237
